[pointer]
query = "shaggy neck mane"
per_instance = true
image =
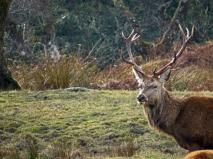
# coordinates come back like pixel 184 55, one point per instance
pixel 163 113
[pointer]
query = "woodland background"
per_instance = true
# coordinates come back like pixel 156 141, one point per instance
pixel 86 37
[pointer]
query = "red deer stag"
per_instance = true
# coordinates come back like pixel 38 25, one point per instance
pixel 188 120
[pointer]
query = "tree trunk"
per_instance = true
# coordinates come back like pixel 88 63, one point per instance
pixel 6 80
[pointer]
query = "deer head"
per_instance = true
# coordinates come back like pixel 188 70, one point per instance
pixel 151 87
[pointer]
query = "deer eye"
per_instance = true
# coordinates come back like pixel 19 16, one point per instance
pixel 152 86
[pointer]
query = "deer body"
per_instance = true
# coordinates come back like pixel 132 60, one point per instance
pixel 188 120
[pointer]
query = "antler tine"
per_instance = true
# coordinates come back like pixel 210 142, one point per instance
pixel 134 65
pixel 186 38
pixel 131 34
pixel 135 37
pixel 181 30
pixel 131 38
pixel 123 36
pixel 192 31
pixel 187 33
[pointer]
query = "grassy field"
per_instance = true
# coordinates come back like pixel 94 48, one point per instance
pixel 94 124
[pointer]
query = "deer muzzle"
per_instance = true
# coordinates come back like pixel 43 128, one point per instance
pixel 142 98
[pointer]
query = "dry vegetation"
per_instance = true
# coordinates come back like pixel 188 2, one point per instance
pixel 50 74
pixel 194 72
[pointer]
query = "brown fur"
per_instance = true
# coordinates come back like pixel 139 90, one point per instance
pixel 202 154
pixel 188 120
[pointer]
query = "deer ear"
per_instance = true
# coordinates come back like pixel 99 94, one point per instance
pixel 165 76
pixel 138 76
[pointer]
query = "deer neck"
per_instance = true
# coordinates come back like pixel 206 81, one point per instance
pixel 164 112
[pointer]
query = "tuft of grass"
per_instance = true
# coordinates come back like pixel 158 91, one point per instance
pixel 29 145
pixel 49 74
pixel 126 149
pixel 63 151
pixel 9 153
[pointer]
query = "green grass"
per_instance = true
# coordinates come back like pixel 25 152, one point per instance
pixel 93 124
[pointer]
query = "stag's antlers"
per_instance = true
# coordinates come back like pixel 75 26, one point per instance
pixel 186 37
pixel 129 40
pixel 134 36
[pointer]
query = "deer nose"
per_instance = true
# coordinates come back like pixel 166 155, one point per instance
pixel 142 98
